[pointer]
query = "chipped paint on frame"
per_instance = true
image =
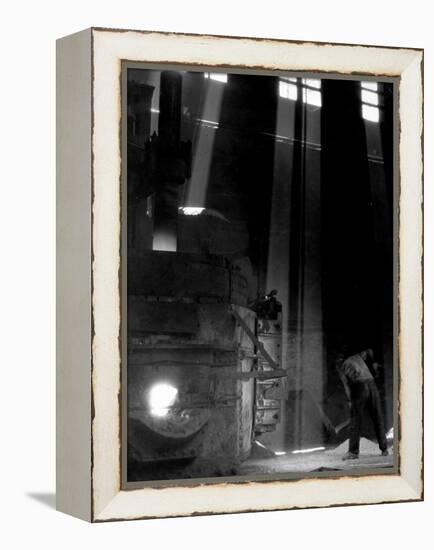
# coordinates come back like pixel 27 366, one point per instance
pixel 109 48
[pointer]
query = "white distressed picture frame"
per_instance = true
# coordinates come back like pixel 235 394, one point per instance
pixel 88 274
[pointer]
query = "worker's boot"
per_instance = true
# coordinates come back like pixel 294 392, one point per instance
pixel 350 456
pixel 385 452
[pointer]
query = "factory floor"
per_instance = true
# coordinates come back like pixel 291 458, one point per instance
pixel 264 461
pixel 315 461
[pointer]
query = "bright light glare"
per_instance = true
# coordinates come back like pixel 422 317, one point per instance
pixel 192 210
pixel 288 90
pixel 369 112
pixel 389 434
pixel 370 85
pixel 211 123
pixel 161 397
pixel 369 97
pixel 220 77
pixel 279 453
pixel 312 97
pixel 312 82
pixel 370 101
pixel 313 449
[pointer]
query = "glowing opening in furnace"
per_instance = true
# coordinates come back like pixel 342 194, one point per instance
pixel 161 397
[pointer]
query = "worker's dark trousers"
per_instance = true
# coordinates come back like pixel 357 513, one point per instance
pixel 364 395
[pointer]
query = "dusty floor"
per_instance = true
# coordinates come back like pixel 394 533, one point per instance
pixel 325 460
pixel 264 461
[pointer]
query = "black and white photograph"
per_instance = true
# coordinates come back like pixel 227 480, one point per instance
pixel 218 239
pixel 259 297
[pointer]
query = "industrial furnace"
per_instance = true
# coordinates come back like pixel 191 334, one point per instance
pixel 204 359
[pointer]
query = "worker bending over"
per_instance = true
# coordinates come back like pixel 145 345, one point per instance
pixel 362 393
